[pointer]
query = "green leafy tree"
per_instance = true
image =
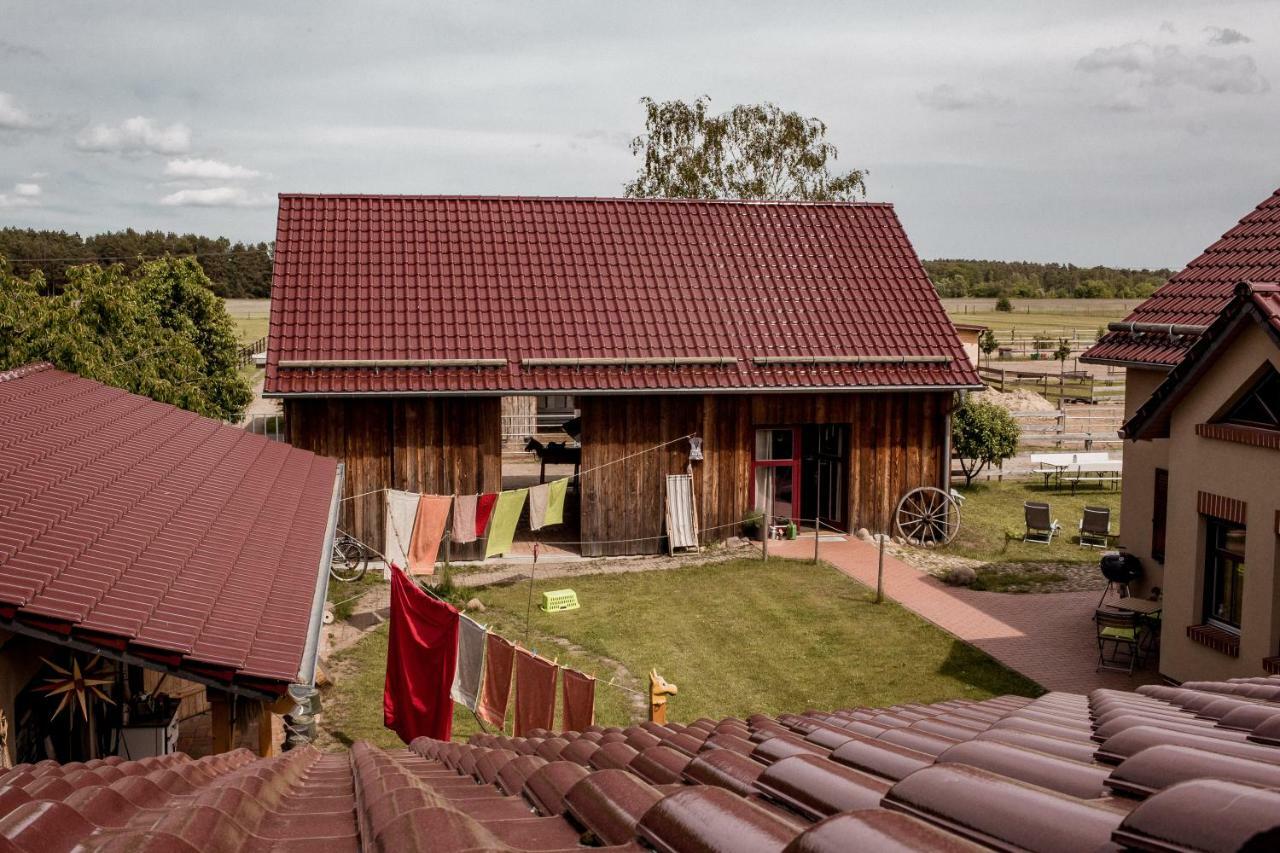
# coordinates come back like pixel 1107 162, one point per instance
pixel 753 151
pixel 159 332
pixel 982 434
pixel 988 343
pixel 1003 304
pixel 1062 353
pixel 235 270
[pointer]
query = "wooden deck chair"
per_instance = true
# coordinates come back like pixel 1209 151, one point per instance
pixel 1041 525
pixel 1095 527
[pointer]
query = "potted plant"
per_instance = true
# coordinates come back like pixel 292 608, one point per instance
pixel 753 524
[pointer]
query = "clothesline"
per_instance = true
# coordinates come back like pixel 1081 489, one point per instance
pixel 578 475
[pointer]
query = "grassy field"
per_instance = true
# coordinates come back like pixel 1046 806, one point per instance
pixel 1041 315
pixel 251 317
pixel 737 638
pixel 992 522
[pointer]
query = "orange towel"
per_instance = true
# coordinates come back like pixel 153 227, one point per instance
pixel 499 655
pixel 428 528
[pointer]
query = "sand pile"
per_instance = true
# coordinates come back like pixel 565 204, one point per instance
pixel 1020 400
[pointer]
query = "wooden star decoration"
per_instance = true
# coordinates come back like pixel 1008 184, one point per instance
pixel 82 684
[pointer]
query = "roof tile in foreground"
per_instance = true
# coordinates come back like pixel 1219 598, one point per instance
pixel 134 524
pixel 681 791
pixel 516 280
pixel 1194 296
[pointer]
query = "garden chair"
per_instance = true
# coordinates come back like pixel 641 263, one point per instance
pixel 1041 525
pixel 1095 527
pixel 1120 634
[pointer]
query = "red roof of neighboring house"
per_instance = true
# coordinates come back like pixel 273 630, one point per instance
pixel 1163 768
pixel 374 278
pixel 147 529
pixel 1193 297
pixel 1258 303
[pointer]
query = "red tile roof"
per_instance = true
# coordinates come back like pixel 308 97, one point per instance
pixel 142 527
pixel 1166 768
pixel 1193 297
pixel 361 278
pixel 1251 303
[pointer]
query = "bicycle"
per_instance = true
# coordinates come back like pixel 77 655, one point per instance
pixel 350 559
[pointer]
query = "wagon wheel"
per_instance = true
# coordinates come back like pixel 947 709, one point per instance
pixel 927 515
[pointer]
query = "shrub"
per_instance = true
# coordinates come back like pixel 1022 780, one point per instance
pixel 1003 304
pixel 982 434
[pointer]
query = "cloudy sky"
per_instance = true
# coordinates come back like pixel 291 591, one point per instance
pixel 1093 132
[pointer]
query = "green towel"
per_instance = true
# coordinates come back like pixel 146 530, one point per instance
pixel 555 502
pixel 502 527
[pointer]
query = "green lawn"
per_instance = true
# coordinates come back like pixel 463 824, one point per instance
pixel 992 521
pixel 1040 315
pixel 737 638
pixel 249 329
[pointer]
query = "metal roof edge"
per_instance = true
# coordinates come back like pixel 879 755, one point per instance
pixel 815 389
pixel 310 652
pixel 1119 362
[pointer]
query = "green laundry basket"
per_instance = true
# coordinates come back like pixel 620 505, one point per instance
pixel 559 599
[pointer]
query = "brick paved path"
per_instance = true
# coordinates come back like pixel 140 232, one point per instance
pixel 1048 637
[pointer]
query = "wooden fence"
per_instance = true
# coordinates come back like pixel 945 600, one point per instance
pixel 1067 430
pixel 1065 385
pixel 248 351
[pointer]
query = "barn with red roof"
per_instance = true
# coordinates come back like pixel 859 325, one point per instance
pixel 801 342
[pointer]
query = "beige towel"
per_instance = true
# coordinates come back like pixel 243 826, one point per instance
pixel 538 505
pixel 464 519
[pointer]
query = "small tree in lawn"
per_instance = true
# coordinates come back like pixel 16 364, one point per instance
pixel 1003 304
pixel 988 344
pixel 982 434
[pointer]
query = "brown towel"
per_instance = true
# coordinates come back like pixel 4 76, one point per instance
pixel 578 700
pixel 535 693
pixel 498 658
pixel 428 528
pixel 464 519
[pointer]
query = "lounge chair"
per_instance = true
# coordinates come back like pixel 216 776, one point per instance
pixel 1121 635
pixel 1095 527
pixel 1041 525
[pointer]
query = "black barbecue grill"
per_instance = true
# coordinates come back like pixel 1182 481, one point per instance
pixel 1120 568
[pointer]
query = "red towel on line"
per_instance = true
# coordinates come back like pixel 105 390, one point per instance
pixel 422 653
pixel 535 693
pixel 428 530
pixel 498 658
pixel 578 700
pixel 484 508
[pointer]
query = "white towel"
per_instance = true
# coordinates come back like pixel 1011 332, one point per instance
pixel 538 505
pixel 402 509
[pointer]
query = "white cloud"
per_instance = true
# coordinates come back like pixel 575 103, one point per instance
pixel 1168 65
pixel 944 96
pixel 13 116
pixel 1226 35
pixel 137 135
pixel 23 195
pixel 215 170
pixel 217 197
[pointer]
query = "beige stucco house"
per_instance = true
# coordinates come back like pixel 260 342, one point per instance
pixel 1201 502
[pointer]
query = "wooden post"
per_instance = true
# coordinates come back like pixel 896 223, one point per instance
pixel 880 573
pixel 223 730
pixel 265 740
pixel 768 517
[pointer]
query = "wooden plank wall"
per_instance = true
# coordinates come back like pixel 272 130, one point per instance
pixel 433 445
pixel 897 443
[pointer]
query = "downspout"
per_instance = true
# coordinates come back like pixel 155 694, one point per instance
pixel 956 402
pixel 303 693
